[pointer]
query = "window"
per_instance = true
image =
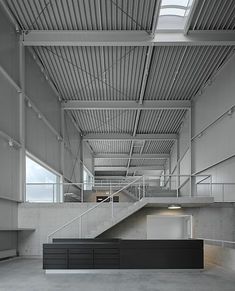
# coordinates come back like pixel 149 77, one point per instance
pixel 173 14
pixel 88 179
pixel 41 183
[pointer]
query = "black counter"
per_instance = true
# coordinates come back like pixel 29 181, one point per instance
pixel 123 254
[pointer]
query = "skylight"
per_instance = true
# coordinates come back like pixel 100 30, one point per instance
pixel 173 14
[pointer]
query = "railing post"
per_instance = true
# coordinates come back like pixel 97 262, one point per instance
pixel 223 191
pixel 80 227
pixel 190 185
pixel 144 193
pixel 82 194
pixel 53 192
pixel 111 198
pixel 211 186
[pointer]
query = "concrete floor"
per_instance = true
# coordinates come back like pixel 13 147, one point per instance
pixel 27 274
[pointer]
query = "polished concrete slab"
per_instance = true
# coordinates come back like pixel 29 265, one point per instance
pixel 27 274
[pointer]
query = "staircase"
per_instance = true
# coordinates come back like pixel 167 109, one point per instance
pixel 103 216
pixel 126 212
pixel 78 226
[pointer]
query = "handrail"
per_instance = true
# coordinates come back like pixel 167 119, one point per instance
pixel 222 183
pixel 90 209
pixel 216 240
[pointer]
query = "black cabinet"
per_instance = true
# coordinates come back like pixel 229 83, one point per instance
pixel 124 254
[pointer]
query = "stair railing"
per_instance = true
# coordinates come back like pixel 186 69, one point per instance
pixel 109 198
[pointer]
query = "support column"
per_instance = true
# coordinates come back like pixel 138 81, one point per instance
pixel 22 167
pixel 81 167
pixel 169 167
pixel 190 151
pixel 177 165
pixel 62 143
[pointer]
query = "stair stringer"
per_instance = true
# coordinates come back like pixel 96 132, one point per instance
pixel 114 221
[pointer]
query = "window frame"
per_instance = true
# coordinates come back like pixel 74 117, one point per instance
pixel 59 179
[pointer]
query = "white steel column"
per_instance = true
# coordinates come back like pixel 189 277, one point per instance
pixel 81 167
pixel 190 150
pixel 177 165
pixel 22 168
pixel 62 142
pixel 169 167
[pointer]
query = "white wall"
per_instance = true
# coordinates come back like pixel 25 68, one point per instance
pixel 218 142
pixel 180 158
pixel 213 153
pixel 88 159
pixel 9 124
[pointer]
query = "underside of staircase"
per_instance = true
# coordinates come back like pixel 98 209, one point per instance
pixel 147 202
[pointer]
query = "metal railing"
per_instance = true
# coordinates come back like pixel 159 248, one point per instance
pixel 220 243
pixel 222 192
pixel 166 185
pixel 141 187
pixel 80 217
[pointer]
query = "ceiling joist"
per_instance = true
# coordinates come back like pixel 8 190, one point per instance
pixel 123 169
pixel 130 105
pixel 133 157
pixel 129 137
pixel 126 38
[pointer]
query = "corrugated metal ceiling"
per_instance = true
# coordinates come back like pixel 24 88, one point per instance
pixel 179 72
pixel 84 14
pixel 111 162
pixel 110 147
pixel 160 121
pixel 105 121
pixel 116 73
pixel 95 73
pixel 214 15
pixel 147 162
pixel 152 147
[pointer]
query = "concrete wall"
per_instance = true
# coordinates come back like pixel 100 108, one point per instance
pixel 45 218
pixel 209 222
pixel 224 257
pixel 9 124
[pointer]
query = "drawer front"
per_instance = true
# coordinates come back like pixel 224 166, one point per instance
pixel 54 258
pixel 80 258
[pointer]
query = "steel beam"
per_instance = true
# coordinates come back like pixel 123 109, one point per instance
pixel 130 105
pixel 133 157
pixel 125 38
pixel 123 169
pixel 128 137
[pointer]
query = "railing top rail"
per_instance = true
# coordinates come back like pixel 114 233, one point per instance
pixel 114 182
pixel 222 183
pixel 90 209
pixel 217 240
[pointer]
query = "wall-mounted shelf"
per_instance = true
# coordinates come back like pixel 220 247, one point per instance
pixel 18 229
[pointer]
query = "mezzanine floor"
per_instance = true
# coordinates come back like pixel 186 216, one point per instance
pixel 27 274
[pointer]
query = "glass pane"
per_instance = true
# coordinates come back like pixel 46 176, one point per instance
pixel 175 2
pixel 172 11
pixel 40 183
pixel 35 173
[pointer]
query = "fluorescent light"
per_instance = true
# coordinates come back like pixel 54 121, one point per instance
pixel 174 206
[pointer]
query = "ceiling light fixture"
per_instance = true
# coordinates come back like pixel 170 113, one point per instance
pixel 174 206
